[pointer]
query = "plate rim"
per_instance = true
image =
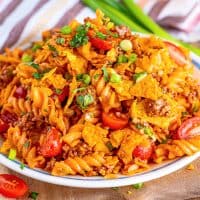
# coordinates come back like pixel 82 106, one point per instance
pixel 161 171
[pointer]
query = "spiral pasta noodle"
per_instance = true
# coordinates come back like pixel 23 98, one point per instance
pixel 18 140
pixel 106 95
pixel 177 148
pixel 77 165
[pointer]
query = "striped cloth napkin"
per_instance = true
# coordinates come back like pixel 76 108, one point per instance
pixel 22 21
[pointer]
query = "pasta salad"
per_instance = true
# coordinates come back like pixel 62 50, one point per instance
pixel 94 99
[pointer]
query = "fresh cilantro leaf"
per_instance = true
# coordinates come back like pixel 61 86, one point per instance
pixel 80 38
pixel 37 75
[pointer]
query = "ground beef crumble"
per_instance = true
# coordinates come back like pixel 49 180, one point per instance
pixel 157 108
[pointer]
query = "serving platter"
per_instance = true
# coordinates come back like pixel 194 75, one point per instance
pixel 156 171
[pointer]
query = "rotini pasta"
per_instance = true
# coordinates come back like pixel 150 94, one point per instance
pixel 98 100
pixel 18 140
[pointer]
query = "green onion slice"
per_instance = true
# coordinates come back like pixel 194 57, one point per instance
pixel 12 154
pixel 66 30
pixel 138 186
pixel 139 76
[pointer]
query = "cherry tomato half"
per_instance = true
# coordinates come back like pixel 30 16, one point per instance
pixel 20 92
pixel 113 122
pixel 101 44
pixel 176 54
pixel 143 152
pixel 52 145
pixel 12 186
pixel 189 128
pixel 8 117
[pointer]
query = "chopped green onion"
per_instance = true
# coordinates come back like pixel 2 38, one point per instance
pixel 66 30
pixel 105 74
pixel 60 40
pixel 37 75
pixel 52 48
pixel 115 15
pixel 33 195
pixel 122 59
pixel 12 154
pixel 36 47
pixel 150 133
pixel 79 89
pixel 84 101
pixel 101 35
pixel 109 145
pixel 58 91
pixel 132 58
pixel 138 186
pixel 96 76
pixel 115 78
pixel 85 78
pixel 26 58
pixel 22 166
pixel 126 45
pixel 139 76
pixel 32 64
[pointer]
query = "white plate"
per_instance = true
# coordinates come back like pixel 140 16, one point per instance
pixel 156 171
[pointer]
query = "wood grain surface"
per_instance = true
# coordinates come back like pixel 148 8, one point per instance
pixel 54 192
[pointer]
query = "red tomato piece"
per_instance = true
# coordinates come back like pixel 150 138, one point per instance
pixel 64 94
pixel 52 144
pixel 3 127
pixel 11 186
pixel 189 128
pixel 101 44
pixel 143 152
pixel 176 54
pixel 98 42
pixel 20 92
pixel 8 117
pixel 114 122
